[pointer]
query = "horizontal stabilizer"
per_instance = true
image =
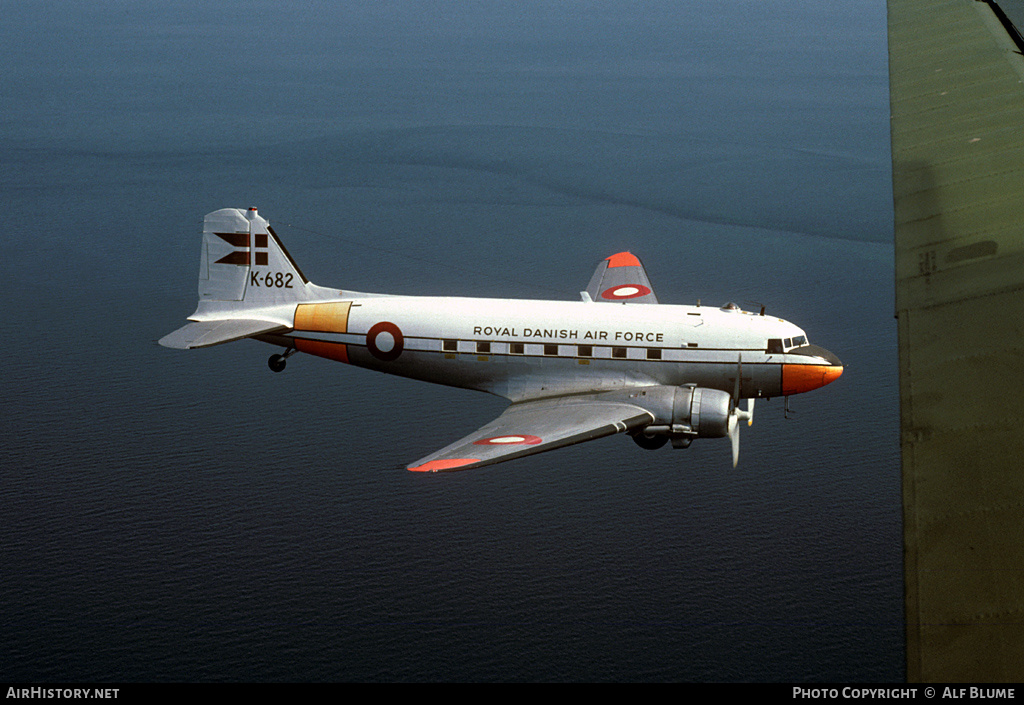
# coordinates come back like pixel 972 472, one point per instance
pixel 203 334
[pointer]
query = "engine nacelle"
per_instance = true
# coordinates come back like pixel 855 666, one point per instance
pixel 685 413
pixel 706 411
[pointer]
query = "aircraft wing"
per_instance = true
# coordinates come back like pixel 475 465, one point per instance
pixel 202 334
pixel 957 106
pixel 534 427
pixel 621 279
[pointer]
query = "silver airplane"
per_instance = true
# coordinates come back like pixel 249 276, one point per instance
pixel 615 361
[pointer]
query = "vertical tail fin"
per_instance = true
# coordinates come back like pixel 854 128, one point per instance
pixel 248 283
pixel 243 260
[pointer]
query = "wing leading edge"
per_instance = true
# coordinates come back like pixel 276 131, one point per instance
pixel 534 427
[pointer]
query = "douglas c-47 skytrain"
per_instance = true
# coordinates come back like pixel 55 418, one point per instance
pixel 616 361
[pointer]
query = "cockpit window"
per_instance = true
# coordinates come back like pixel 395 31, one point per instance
pixel 788 343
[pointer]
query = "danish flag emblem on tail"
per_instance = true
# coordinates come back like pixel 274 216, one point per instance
pixel 241 256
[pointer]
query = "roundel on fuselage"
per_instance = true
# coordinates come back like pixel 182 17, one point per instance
pixel 385 341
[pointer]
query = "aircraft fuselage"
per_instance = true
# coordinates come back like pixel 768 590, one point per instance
pixel 525 349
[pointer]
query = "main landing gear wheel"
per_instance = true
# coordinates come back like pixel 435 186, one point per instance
pixel 650 442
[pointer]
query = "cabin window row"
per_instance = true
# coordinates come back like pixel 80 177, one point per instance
pixel 547 349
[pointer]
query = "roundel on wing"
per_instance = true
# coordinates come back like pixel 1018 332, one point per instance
pixel 516 440
pixel 625 291
pixel 385 341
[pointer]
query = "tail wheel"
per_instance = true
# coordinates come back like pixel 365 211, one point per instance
pixel 277 362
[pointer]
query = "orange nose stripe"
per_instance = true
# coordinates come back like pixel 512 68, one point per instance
pixel 804 378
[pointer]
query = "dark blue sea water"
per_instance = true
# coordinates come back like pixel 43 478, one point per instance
pixel 190 516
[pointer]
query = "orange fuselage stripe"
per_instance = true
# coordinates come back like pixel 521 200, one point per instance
pixel 326 318
pixel 322 348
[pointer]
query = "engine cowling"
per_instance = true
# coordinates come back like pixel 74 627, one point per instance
pixel 685 413
pixel 706 411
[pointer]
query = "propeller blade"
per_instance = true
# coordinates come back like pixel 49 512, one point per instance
pixel 736 414
pixel 734 436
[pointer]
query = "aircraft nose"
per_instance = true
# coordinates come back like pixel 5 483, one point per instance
pixel 821 368
pixel 816 351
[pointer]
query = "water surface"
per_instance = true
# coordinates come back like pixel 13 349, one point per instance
pixel 192 516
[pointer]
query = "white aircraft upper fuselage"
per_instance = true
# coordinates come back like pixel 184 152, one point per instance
pixel 574 370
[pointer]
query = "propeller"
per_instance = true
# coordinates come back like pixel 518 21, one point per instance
pixel 735 417
pixel 737 414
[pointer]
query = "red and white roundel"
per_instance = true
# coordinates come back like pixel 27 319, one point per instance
pixel 385 341
pixel 517 440
pixel 625 291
